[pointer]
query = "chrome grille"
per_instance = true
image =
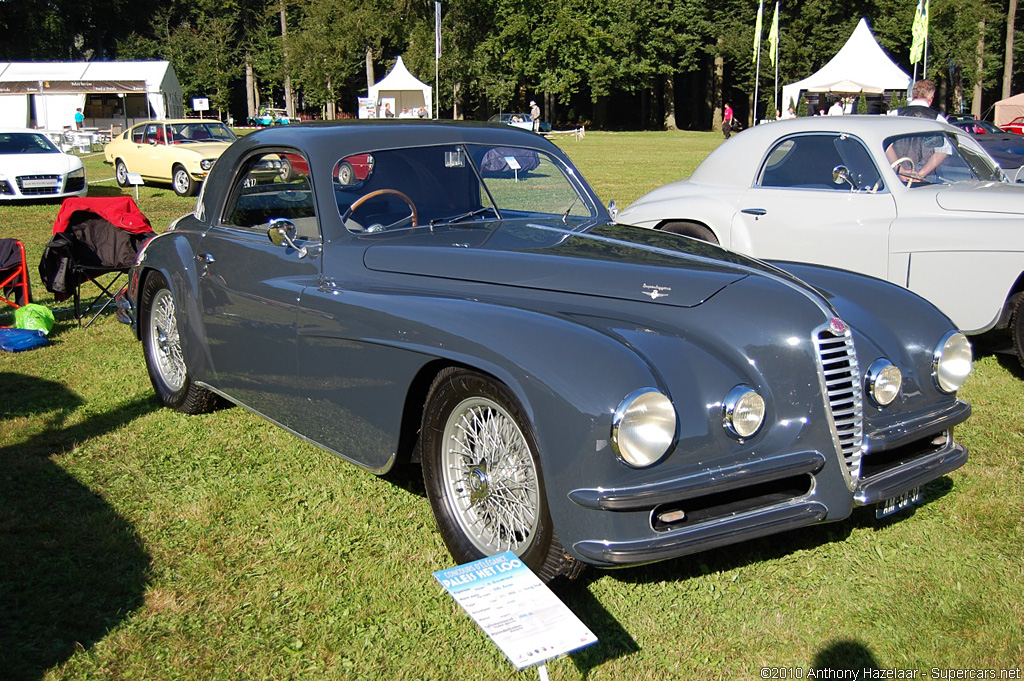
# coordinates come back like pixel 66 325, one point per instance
pixel 840 379
pixel 53 188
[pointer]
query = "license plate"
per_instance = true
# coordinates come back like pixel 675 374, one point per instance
pixel 897 504
pixel 38 184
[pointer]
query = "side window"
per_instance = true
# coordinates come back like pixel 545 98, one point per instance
pixel 270 186
pixel 803 162
pixel 139 134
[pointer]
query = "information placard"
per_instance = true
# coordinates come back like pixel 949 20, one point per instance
pixel 523 617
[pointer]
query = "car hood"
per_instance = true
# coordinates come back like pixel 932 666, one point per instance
pixel 612 261
pixel 206 149
pixel 982 197
pixel 38 164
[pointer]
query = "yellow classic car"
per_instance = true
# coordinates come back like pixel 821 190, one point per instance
pixel 179 152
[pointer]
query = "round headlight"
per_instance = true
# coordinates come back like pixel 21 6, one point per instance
pixel 744 411
pixel 883 381
pixel 952 362
pixel 643 428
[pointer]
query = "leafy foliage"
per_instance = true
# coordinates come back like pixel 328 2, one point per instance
pixel 585 56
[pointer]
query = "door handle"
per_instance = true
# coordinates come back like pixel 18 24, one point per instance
pixel 754 211
pixel 205 258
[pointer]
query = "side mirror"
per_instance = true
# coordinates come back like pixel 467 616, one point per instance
pixel 282 233
pixel 841 174
pixel 613 209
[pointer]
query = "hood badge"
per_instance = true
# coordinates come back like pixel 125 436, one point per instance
pixel 655 291
pixel 837 326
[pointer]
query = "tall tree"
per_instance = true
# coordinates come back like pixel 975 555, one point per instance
pixel 1011 18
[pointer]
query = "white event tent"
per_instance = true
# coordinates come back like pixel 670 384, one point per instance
pixel 46 94
pixel 401 90
pixel 860 66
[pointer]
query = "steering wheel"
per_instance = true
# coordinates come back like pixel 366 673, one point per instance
pixel 897 162
pixel 379 192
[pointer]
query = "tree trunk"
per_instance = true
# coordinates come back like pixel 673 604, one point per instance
pixel 456 113
pixel 717 95
pixel 251 100
pixel 669 102
pixel 980 69
pixel 1011 16
pixel 330 111
pixel 370 80
pixel 289 96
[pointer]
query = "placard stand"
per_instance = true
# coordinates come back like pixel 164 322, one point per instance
pixel 519 613
pixel 135 180
pixel 514 165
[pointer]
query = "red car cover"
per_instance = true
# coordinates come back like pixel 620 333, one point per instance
pixel 119 211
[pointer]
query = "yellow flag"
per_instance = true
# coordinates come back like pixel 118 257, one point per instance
pixel 773 36
pixel 757 29
pixel 919 31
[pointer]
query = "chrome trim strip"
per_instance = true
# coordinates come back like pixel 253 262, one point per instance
pixel 708 481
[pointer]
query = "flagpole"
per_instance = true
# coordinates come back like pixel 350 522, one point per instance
pixel 757 50
pixel 437 53
pixel 775 25
pixel 927 14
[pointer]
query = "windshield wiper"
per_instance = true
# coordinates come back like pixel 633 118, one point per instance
pixel 460 217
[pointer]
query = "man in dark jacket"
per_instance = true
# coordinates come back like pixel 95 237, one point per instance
pixel 920 104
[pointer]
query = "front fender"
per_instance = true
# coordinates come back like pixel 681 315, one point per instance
pixel 888 321
pixel 172 255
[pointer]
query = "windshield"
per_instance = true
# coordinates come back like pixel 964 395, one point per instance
pixel 26 143
pixel 198 131
pixel 455 184
pixel 939 157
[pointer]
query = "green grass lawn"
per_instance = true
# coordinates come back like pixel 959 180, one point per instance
pixel 138 543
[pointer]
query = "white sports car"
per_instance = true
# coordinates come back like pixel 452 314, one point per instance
pixel 909 200
pixel 31 167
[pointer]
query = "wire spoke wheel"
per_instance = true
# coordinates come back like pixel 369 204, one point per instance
pixel 490 478
pixel 483 476
pixel 165 343
pixel 164 351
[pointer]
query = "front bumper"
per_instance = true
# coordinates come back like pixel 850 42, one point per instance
pixel 720 506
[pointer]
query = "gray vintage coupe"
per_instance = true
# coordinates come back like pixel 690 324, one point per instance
pixel 576 391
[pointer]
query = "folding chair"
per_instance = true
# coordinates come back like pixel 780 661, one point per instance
pixel 13 273
pixel 93 237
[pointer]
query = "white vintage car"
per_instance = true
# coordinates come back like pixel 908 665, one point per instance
pixel 909 200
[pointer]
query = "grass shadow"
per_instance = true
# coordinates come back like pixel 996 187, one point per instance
pixel 615 640
pixel 109 190
pixel 998 344
pixel 71 567
pixel 846 655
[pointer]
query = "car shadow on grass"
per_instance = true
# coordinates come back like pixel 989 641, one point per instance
pixel 998 344
pixel 71 567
